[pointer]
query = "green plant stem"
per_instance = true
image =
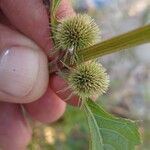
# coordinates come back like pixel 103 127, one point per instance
pixel 127 40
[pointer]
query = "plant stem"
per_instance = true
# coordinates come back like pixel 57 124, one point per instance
pixel 127 40
pixel 124 41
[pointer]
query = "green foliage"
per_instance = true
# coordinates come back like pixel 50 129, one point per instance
pixel 53 10
pixel 55 4
pixel 109 132
pixel 72 125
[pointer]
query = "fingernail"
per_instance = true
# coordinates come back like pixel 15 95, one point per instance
pixel 18 70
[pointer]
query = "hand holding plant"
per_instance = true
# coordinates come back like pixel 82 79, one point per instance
pixel 70 35
pixel 24 76
pixel 25 44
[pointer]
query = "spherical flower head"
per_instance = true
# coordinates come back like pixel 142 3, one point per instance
pixel 88 79
pixel 75 33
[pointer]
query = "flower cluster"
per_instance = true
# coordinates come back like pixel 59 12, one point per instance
pixel 72 35
pixel 88 79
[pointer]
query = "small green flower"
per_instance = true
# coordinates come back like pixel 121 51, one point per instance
pixel 88 79
pixel 75 33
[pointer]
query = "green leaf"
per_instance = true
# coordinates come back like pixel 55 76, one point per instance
pixel 109 132
pixel 124 41
pixel 53 10
pixel 53 19
pixel 55 5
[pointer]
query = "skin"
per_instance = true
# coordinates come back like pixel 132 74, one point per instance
pixel 25 83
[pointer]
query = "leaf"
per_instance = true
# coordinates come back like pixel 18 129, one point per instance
pixel 124 41
pixel 53 19
pixel 55 5
pixel 53 10
pixel 109 132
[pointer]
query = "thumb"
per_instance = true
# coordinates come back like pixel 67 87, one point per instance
pixel 23 71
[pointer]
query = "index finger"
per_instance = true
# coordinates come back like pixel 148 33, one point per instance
pixel 31 18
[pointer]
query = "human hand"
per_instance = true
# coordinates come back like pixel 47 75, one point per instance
pixel 24 78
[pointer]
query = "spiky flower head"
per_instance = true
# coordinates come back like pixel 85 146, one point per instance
pixel 88 79
pixel 75 33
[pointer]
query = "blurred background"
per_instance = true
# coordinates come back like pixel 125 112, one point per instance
pixel 129 70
